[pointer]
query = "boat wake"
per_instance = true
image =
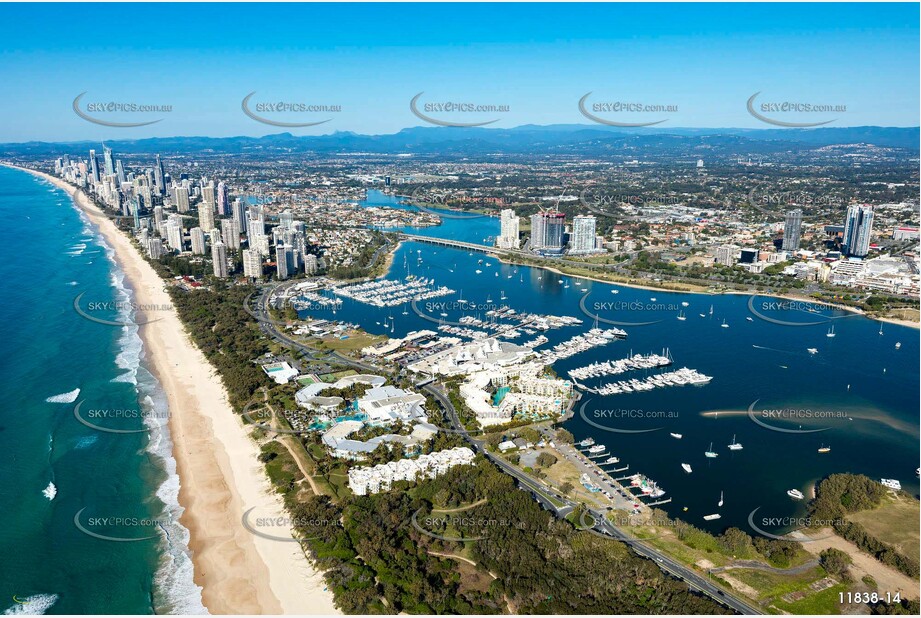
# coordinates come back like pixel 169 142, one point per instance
pixel 68 397
pixel 31 606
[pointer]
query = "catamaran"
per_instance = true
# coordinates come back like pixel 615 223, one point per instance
pixel 735 446
pixel 710 453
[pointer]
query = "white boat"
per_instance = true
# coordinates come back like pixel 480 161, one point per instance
pixel 710 453
pixel 720 503
pixel 795 493
pixel 615 291
pixel 611 460
pixel 478 271
pixel 50 492
pixel 898 345
pixel 891 483
pixel 598 448
pixel 749 319
pixel 703 315
pixel 684 303
pixel 831 331
pixel 687 468
pixel 824 449
pixel 724 325
pixel 880 328
pixel 712 517
pixel 711 309
pixel 677 436
pixel 812 350
pixel 653 299
pixel 734 446
pixel 587 442
pixel 681 316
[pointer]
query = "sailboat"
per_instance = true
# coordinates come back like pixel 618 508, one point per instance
pixel 711 309
pixel 831 331
pixel 824 449
pixel 720 503
pixel 681 316
pixel 502 295
pixel 710 452
pixel 735 446
pixel 880 328
pixel 724 325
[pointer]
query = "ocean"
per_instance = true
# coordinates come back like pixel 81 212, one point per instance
pixel 857 393
pixel 89 487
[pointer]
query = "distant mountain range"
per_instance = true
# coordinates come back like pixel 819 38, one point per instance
pixel 585 140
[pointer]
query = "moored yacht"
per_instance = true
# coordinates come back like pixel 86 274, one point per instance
pixel 795 493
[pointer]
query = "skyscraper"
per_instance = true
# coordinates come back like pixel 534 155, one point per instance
pixel 509 228
pixel 107 158
pixel 120 172
pixel 858 226
pixel 230 234
pixel 252 263
pixel 792 230
pixel 158 177
pixel 94 167
pixel 198 240
pixel 223 200
pixel 182 199
pixel 219 260
pixel 583 234
pixel 282 259
pixel 547 228
pixel 205 216
pixel 207 196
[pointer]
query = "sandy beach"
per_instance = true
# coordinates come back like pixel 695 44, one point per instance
pixel 220 476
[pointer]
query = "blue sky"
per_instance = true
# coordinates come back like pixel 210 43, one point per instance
pixel 371 59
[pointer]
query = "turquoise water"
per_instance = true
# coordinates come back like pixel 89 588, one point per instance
pixel 116 485
pixel 866 390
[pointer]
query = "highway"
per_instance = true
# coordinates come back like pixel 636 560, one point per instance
pixel 547 497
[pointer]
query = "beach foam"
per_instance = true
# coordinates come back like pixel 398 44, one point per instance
pixel 33 605
pixel 68 397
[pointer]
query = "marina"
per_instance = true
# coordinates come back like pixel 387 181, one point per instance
pixel 390 293
pixel 680 377
pixel 632 363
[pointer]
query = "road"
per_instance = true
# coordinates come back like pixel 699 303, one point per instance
pixel 546 496
pixel 602 526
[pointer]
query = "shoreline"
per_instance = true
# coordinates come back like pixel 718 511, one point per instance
pixel 854 310
pixel 220 476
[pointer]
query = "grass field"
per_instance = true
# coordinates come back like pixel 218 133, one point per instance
pixel 281 469
pixel 894 522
